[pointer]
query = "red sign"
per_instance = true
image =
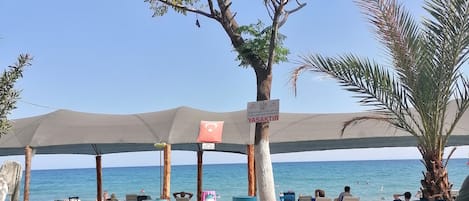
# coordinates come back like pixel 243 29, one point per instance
pixel 263 119
pixel 210 131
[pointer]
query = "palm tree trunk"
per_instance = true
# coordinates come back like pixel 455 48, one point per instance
pixel 435 179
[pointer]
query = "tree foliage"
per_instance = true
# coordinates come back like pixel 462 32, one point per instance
pixel 161 7
pixel 8 95
pixel 257 40
pixel 427 61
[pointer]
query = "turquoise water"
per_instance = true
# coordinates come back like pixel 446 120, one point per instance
pixel 369 180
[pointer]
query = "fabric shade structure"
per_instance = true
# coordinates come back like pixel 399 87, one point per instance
pixel 70 132
pixel 311 132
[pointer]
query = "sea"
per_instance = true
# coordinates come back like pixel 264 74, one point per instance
pixel 370 180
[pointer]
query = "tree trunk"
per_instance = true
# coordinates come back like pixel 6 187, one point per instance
pixel 435 179
pixel 263 70
pixel 264 172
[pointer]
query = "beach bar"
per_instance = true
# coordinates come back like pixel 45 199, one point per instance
pixel 70 132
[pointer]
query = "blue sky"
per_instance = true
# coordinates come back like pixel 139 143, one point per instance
pixel 108 57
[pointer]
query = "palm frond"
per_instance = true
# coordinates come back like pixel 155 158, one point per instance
pixel 399 33
pixel 357 120
pixel 447 36
pixel 295 74
pixel 449 155
pixel 373 85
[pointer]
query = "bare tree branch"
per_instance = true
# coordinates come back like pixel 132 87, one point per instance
pixel 229 23
pixel 298 2
pixel 287 13
pixel 273 37
pixel 300 6
pixel 210 5
pixel 270 9
pixel 188 9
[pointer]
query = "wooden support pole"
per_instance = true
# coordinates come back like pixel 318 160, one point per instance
pixel 167 172
pixel 251 171
pixel 28 152
pixel 99 179
pixel 199 174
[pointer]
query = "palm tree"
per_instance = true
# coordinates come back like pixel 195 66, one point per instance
pixel 413 96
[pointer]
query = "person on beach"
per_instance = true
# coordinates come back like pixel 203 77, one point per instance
pixel 113 197
pixel 407 196
pixel 105 195
pixel 345 193
pixel 319 193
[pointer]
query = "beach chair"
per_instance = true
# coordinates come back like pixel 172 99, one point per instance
pixel 323 199
pixel 74 198
pixel 454 194
pixel 143 197
pixel 305 198
pixel 350 198
pixel 289 196
pixel 131 197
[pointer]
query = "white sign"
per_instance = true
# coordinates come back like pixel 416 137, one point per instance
pixel 208 146
pixel 263 111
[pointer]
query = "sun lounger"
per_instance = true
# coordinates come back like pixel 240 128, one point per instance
pixel 323 199
pixel 349 198
pixel 305 198
pixel 131 197
pixel 454 193
pixel 143 197
pixel 74 198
